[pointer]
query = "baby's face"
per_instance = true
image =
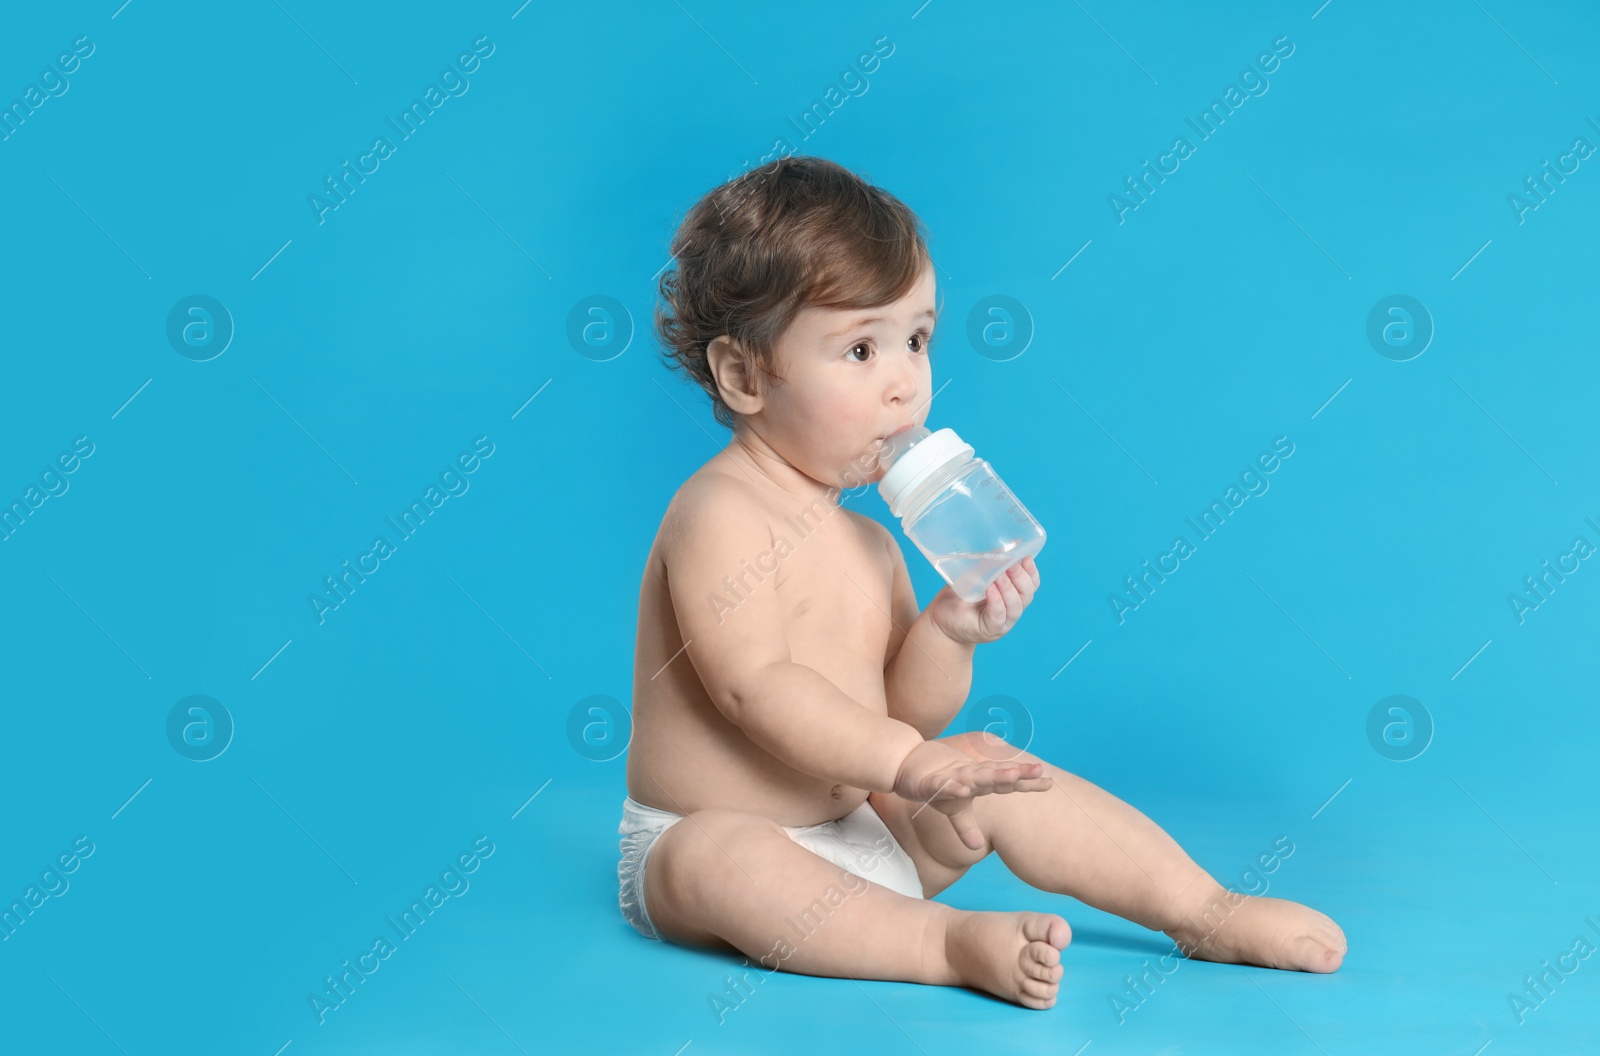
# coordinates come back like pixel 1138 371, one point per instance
pixel 851 378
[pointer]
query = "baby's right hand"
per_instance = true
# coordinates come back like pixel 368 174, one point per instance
pixel 947 780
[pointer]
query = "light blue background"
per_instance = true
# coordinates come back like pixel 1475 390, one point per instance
pixel 371 349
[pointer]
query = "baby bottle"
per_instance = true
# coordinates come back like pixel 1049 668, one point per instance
pixel 952 505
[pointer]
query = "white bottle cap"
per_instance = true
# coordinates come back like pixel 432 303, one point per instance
pixel 910 466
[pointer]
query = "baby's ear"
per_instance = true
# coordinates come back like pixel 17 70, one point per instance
pixel 731 368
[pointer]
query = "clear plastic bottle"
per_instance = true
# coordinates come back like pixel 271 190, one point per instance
pixel 952 505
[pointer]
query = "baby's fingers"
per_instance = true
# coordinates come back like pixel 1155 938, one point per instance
pixel 1034 784
pixel 980 778
pixel 1020 783
pixel 1033 778
pixel 998 777
pixel 950 785
pixel 966 827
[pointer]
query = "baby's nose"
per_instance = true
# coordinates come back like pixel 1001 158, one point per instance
pixel 904 386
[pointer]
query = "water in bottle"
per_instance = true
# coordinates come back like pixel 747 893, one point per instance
pixel 956 510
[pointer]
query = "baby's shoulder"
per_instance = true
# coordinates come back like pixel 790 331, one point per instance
pixel 716 507
pixel 713 489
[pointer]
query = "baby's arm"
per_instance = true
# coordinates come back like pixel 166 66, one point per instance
pixel 742 655
pixel 928 675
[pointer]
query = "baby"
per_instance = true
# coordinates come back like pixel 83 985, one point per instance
pixel 788 694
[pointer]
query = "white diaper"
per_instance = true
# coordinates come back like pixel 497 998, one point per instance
pixel 857 843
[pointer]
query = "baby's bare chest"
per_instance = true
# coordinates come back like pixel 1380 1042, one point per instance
pixel 833 579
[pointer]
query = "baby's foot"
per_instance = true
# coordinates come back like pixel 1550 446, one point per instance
pixel 1270 932
pixel 1016 956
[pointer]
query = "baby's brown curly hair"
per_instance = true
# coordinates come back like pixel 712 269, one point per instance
pixel 800 232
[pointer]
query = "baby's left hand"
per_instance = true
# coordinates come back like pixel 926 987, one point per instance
pixel 974 622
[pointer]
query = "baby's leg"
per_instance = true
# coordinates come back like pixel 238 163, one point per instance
pixel 1077 839
pixel 730 876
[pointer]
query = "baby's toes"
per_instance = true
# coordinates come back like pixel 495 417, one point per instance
pixel 1319 921
pixel 1329 934
pixel 1321 948
pixel 1038 994
pixel 1313 956
pixel 1041 961
pixel 1050 929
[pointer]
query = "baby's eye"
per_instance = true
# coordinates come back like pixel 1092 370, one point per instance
pixel 853 349
pixel 923 339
